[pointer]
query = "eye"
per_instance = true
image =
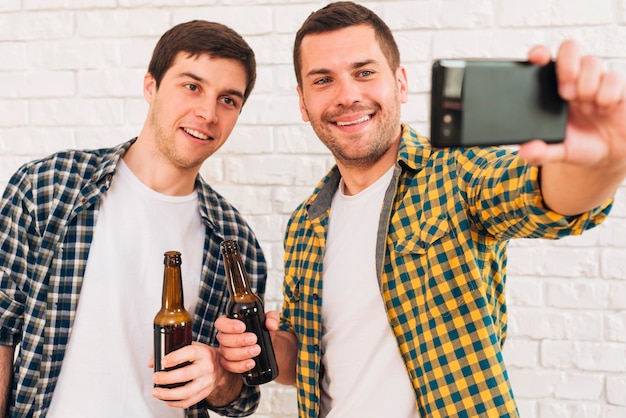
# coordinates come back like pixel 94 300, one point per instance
pixel 321 81
pixel 230 101
pixel 365 73
pixel 192 87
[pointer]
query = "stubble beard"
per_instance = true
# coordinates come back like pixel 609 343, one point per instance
pixel 371 149
pixel 165 144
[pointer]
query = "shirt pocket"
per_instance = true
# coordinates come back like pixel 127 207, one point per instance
pixel 427 233
pixel 440 277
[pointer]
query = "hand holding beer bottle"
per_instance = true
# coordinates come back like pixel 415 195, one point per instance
pixel 248 308
pixel 172 324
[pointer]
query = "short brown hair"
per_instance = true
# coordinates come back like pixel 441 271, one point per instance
pixel 341 15
pixel 199 37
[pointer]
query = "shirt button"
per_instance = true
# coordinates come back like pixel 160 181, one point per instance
pixel 315 296
pixel 316 348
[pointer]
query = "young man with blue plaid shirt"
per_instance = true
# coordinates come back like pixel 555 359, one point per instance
pixel 83 235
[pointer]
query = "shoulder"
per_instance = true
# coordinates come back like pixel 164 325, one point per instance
pixel 67 169
pixel 71 163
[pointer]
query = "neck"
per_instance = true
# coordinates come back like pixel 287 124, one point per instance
pixel 358 178
pixel 156 172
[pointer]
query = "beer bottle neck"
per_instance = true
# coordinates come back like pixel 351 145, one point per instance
pixel 238 283
pixel 172 289
pixel 172 297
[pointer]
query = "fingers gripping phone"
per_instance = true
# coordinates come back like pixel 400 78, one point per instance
pixel 493 102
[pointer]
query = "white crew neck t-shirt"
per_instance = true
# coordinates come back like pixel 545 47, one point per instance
pixel 105 372
pixel 364 375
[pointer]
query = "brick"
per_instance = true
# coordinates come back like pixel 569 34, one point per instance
pixel 89 112
pixel 161 3
pixel 538 323
pixel 284 81
pixel 616 327
pixel 34 142
pixel 467 14
pixel 38 84
pixel 402 15
pixel 249 200
pixel 591 356
pixel 520 352
pixel 13 113
pixel 565 262
pixel 273 50
pixel 36 25
pixel 577 294
pixel 122 23
pixel 265 110
pixel 534 384
pixel 248 20
pixel 580 386
pixel 246 140
pixel 462 43
pixel 616 389
pixel 528 13
pixel 613 264
pixel 135 111
pixel 289 17
pixel 571 409
pixel 101 137
pixel 111 82
pixel 136 53
pixel 73 55
pixel 17 53
pixel 579 12
pixel 615 412
pixel 10 5
pixel 68 4
pixel 298 139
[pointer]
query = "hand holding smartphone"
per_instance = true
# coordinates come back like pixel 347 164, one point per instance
pixel 489 102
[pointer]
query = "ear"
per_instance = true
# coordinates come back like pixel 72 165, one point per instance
pixel 303 112
pixel 149 87
pixel 403 84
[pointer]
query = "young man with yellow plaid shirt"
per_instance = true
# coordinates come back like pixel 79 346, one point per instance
pixel 394 291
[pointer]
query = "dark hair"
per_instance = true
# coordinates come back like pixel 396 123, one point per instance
pixel 340 15
pixel 199 37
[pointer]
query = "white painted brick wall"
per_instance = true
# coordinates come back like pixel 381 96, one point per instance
pixel 71 76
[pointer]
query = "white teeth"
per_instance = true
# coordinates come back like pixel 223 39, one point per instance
pixel 354 122
pixel 196 134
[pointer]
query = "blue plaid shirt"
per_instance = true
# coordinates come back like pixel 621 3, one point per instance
pixel 47 218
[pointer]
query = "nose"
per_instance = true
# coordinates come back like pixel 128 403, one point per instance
pixel 348 92
pixel 207 109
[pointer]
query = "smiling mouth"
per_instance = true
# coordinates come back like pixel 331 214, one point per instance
pixel 197 134
pixel 354 122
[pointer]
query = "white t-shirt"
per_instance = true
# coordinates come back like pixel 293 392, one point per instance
pixel 105 371
pixel 364 375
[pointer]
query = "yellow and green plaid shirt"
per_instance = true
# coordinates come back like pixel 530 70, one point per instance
pixel 441 255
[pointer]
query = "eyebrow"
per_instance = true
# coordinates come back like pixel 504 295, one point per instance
pixel 201 80
pixel 355 66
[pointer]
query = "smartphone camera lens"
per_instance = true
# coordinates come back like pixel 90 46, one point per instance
pixel 446 128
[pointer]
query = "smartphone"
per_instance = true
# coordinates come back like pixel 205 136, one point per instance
pixel 491 102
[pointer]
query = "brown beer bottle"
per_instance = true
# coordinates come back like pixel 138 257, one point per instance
pixel 248 307
pixel 172 324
